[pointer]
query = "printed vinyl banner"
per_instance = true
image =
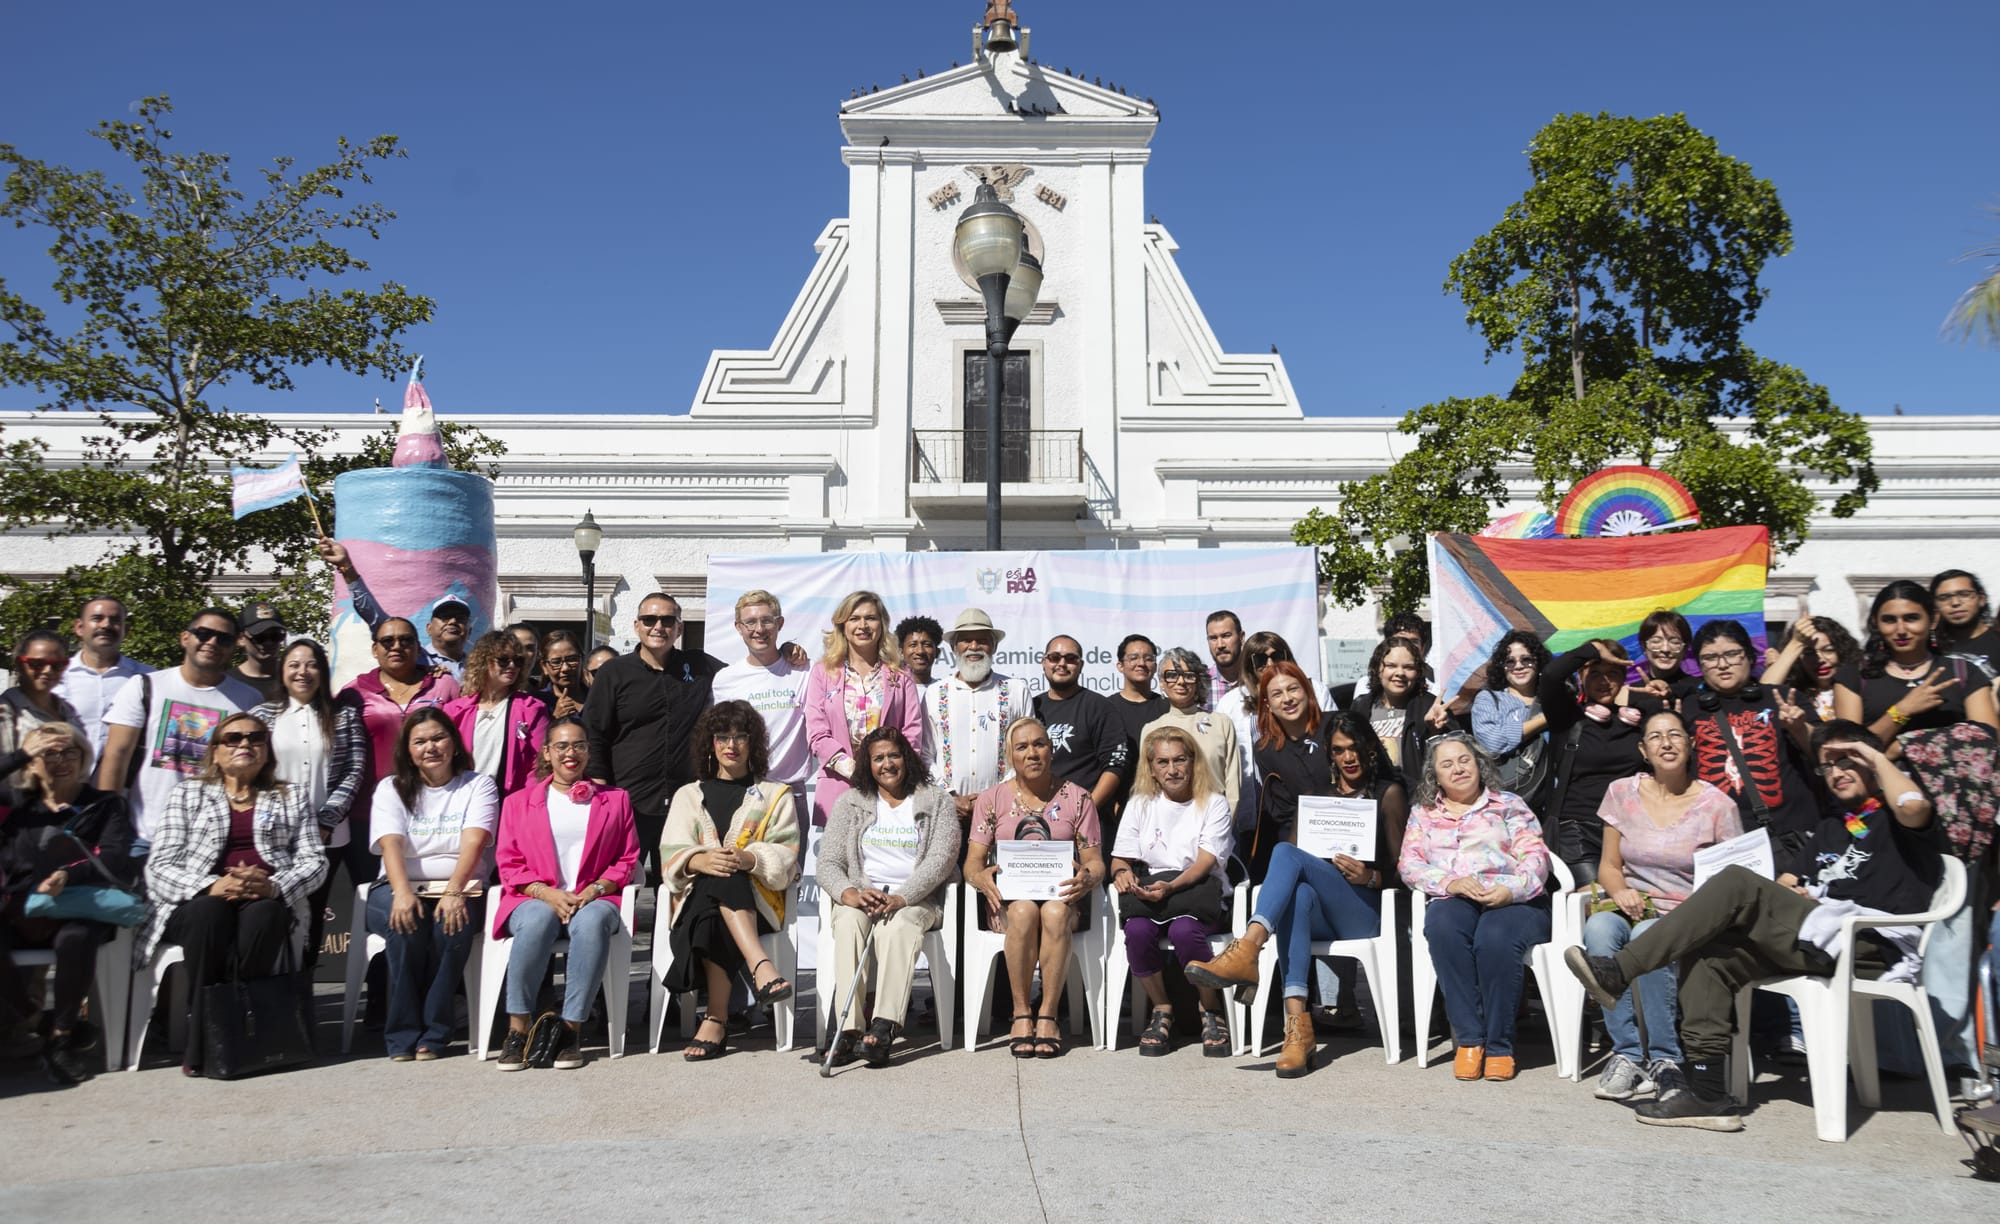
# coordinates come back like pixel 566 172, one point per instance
pixel 1569 591
pixel 1095 597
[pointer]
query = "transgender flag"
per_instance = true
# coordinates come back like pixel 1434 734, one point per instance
pixel 254 488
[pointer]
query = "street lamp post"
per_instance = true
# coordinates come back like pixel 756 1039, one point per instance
pixel 990 241
pixel 588 535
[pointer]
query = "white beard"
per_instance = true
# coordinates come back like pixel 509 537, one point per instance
pixel 973 669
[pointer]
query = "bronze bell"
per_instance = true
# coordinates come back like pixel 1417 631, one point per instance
pixel 1000 37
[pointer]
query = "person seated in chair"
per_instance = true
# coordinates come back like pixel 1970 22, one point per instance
pixel 1169 868
pixel 727 858
pixel 889 852
pixel 1882 855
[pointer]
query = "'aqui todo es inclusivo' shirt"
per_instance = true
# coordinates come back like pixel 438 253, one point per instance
pixel 778 693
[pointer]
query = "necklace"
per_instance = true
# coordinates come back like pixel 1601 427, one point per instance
pixel 1912 672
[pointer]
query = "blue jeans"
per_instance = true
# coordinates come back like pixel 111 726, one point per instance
pixel 1304 899
pixel 424 968
pixel 1477 952
pixel 535 929
pixel 1658 991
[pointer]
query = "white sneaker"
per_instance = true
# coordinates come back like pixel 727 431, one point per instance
pixel 1622 1080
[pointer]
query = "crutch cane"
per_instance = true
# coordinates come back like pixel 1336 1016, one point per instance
pixel 853 989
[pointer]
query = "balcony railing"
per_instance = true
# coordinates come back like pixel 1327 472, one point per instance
pixel 1027 456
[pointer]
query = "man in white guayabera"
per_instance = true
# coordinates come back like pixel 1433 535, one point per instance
pixel 968 712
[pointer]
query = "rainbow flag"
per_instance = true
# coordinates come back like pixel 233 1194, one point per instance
pixel 1569 591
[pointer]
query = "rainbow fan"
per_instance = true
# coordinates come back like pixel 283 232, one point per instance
pixel 1629 499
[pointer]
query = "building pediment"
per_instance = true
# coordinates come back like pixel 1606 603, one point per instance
pixel 1000 102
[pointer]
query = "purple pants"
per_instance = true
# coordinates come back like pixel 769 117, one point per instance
pixel 1189 936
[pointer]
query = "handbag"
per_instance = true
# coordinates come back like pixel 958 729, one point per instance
pixel 254 1025
pixel 88 903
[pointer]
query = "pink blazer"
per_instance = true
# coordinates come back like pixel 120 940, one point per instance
pixel 525 852
pixel 826 726
pixel 527 727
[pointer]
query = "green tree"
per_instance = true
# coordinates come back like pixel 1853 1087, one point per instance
pixel 1623 279
pixel 172 288
pixel 1976 314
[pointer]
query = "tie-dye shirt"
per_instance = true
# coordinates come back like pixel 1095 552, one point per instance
pixel 1496 841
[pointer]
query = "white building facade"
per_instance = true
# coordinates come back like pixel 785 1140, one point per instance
pixel 1127 424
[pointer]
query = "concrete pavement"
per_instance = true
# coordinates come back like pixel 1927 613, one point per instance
pixel 980 1136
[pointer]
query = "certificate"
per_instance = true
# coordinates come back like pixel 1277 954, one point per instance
pixel 1034 870
pixel 1752 850
pixel 1330 826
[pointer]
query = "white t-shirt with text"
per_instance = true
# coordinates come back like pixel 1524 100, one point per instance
pixel 432 832
pixel 889 847
pixel 777 692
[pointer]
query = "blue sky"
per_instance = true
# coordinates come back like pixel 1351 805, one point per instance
pixel 597 195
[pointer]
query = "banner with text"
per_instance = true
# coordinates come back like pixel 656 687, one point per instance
pixel 1095 597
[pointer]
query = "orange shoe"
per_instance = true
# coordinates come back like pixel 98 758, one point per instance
pixel 1467 1062
pixel 1500 1067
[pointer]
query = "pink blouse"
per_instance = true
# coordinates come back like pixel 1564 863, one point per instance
pixel 1660 861
pixel 1496 841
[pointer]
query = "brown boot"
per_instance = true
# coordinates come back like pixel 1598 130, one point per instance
pixel 1295 1059
pixel 1235 968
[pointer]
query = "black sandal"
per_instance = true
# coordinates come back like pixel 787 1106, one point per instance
pixel 777 990
pixel 1056 1042
pixel 842 1052
pixel 706 1051
pixel 1214 1035
pixel 1158 1037
pixel 880 1040
pixel 1021 1047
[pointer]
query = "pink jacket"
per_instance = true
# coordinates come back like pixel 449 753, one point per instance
pixel 527 727
pixel 383 719
pixel 826 725
pixel 525 852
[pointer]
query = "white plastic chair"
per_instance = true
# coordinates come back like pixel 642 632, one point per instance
pixel 1562 1005
pixel 145 992
pixel 1838 1016
pixel 1088 949
pixel 780 947
pixel 110 989
pixel 1118 968
pixel 1379 961
pixel 367 947
pixel 617 980
pixel 938 956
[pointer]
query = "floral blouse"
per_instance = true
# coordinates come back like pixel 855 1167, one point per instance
pixel 863 701
pixel 1497 841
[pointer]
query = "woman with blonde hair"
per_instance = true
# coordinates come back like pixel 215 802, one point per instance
pixel 859 684
pixel 1035 805
pixel 1168 870
pixel 498 722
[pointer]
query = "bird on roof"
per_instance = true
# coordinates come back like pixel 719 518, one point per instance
pixel 874 89
pixel 1274 348
pixel 1066 71
pixel 1153 104
pixel 920 74
pixel 906 78
pixel 1152 218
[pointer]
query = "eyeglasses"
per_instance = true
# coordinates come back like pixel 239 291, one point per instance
pixel 1956 597
pixel 1520 661
pixel 1725 659
pixel 396 641
pixel 61 754
pixel 762 622
pixel 1177 677
pixel 654 620
pixel 563 661
pixel 1149 660
pixel 732 737
pixel 239 739
pixel 207 636
pixel 1666 737
pixel 1663 643
pixel 1062 657
pixel 41 664
pixel 1843 765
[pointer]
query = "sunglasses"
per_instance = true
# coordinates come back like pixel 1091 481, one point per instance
pixel 239 739
pixel 1062 657
pixel 656 619
pixel 508 661
pixel 396 641
pixel 442 615
pixel 207 636
pixel 41 664
pixel 269 635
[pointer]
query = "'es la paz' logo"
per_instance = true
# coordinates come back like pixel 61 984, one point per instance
pixel 988 579
pixel 1021 581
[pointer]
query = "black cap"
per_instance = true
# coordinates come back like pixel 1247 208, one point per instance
pixel 258 617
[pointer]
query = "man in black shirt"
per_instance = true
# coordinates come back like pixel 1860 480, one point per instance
pixel 1881 855
pixel 1091 747
pixel 639 713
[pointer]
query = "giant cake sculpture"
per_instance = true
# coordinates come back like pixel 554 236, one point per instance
pixel 418 532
